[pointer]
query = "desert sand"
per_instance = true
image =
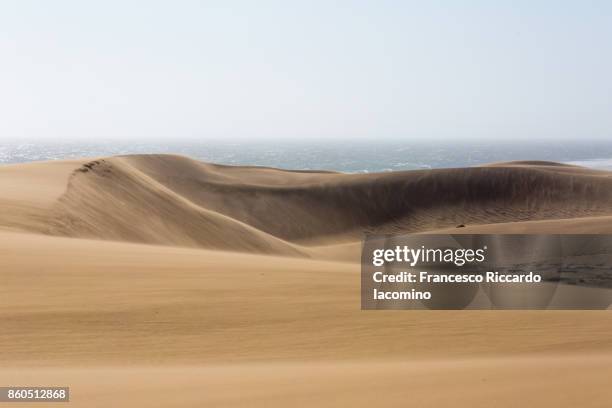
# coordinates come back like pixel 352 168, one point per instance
pixel 161 281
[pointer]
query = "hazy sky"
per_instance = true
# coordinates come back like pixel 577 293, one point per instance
pixel 305 69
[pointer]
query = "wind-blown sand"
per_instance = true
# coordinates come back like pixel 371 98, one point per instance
pixel 163 281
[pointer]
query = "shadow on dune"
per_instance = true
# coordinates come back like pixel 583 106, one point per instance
pixel 173 200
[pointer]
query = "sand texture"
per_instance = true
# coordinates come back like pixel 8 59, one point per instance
pixel 161 281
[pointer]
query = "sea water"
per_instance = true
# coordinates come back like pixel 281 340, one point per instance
pixel 345 156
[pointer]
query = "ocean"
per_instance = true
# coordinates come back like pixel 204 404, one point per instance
pixel 345 156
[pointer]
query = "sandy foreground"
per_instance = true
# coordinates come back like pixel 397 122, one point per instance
pixel 144 302
pixel 500 382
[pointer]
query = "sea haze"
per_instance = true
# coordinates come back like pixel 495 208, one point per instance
pixel 349 156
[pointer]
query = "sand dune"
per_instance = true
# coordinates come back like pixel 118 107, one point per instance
pixel 173 200
pixel 110 200
pixel 316 206
pixel 249 295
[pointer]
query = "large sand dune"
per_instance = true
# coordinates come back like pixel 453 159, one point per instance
pixel 173 200
pixel 312 206
pixel 250 294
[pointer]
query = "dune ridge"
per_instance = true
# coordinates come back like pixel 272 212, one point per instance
pixel 109 199
pixel 174 200
pixel 312 207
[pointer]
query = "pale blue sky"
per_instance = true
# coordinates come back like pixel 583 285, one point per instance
pixel 309 69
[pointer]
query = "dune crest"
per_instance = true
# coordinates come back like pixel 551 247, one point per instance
pixel 109 199
pixel 317 207
pixel 177 201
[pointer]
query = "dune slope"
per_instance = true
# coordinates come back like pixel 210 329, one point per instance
pixel 109 200
pixel 173 200
pixel 139 325
pixel 299 206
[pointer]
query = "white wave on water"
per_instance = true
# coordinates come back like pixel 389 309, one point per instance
pixel 599 164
